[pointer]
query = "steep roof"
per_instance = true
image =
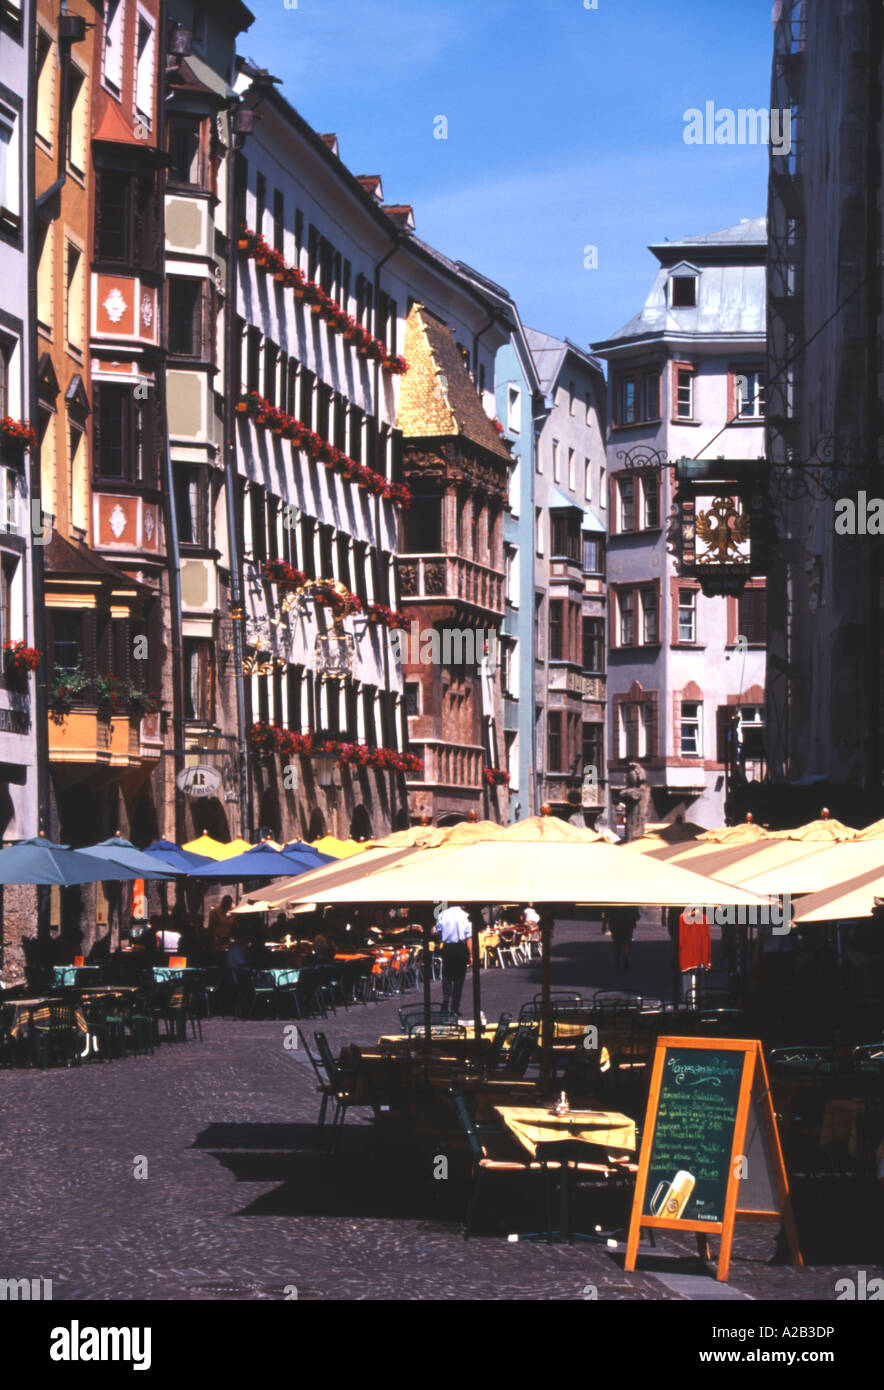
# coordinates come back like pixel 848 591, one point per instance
pixel 549 355
pixel 65 558
pixel 437 396
pixel 732 289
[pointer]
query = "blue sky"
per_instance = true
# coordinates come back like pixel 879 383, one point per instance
pixel 565 129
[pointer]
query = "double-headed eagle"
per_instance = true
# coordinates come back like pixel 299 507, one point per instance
pixel 722 529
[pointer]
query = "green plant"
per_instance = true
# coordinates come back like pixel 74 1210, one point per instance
pixel 111 690
pixel 66 686
pixel 143 701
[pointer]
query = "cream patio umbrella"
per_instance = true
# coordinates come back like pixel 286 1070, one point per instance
pixel 855 897
pixel 872 832
pixel 746 833
pixel 666 841
pixel 826 867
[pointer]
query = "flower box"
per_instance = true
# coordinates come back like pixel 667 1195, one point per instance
pixel 20 660
pixel 17 433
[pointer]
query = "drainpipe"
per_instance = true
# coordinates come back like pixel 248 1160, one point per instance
pixel 230 472
pixel 387 703
pixel 170 521
pixel 71 30
pixel 873 409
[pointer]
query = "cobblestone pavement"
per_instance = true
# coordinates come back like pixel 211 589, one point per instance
pixel 238 1204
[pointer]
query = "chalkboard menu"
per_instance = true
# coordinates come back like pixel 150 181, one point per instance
pixel 693 1135
pixel 710 1153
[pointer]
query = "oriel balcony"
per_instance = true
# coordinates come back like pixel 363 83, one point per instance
pixel 452 579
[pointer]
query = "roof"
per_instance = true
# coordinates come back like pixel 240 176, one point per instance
pixel 591 522
pixel 549 355
pixel 65 558
pixel 731 296
pixel 559 501
pixel 750 232
pixel 437 396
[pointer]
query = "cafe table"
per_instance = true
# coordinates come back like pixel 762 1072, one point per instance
pixel 162 974
pixel 560 1141
pixel 65 976
pixel 35 1013
pixel 283 975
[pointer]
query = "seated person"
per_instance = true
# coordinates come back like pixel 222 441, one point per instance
pixel 221 924
pixel 323 948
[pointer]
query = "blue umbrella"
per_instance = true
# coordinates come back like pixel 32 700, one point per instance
pixel 121 851
pixel 301 847
pixel 178 861
pixel 39 861
pixel 262 862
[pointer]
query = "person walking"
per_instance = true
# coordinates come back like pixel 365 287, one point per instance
pixel 454 929
pixel 621 922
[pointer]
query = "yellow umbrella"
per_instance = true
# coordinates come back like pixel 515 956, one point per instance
pixel 824 868
pixel 819 831
pixel 746 833
pixel 339 849
pixel 205 845
pixel 872 832
pixel 521 871
pixel 853 898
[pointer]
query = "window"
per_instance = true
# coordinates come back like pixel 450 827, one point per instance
pixel 114 19
pixel 556 630
pixel 684 393
pixel 144 71
pixel 74 297
pixel 603 495
pixel 650 623
pixel 79 485
pixel 185 331
pixel 572 471
pixel 627 503
pixel 10 164
pixel 571 394
pixel 260 202
pixel 651 490
pixel 112 209
pixel 423 526
pixel 683 291
pixel 412 698
pixel 626 401
pixel 67 643
pixel 538 529
pixel 651 396
pixel 9 518
pixel 594 645
pixel 749 385
pixel 538 626
pixel 7 580
pixel 271 352
pixel 514 409
pixel 566 535
pixel 7 347
pixel 593 555
pixel 752 616
pixel 77 123
pixel 46 68
pixel 191 504
pixel 198 679
pixel 555 455
pixel 635 730
pixel 691 729
pixel 122 428
pixel 687 615
pixel 184 144
pixel 509 669
pixel 593 749
pixel 554 742
pixel 278 219
pixel 258 516
pixel 627 618
pixel 511 574
pixel 587 480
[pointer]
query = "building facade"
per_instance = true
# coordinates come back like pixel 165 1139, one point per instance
pixel 825 672
pixel 686 380
pixel 521 410
pixel 569 609
pixel 19 471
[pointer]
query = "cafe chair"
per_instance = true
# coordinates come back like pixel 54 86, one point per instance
pixel 342 1083
pixel 58 1036
pixel 803 1060
pixel 442 1021
pixel 491 1153
pixel 264 990
pixel 494 1053
pixel 869 1057
pixel 323 1085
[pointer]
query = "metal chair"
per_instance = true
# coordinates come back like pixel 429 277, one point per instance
pixel 869 1057
pixel 492 1152
pixel 803 1059
pixel 323 1085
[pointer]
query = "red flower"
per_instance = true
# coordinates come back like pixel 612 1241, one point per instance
pixel 17 432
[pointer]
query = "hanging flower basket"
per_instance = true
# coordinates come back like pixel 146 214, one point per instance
pixel 17 434
pixel 282 573
pixel 496 776
pixel 19 660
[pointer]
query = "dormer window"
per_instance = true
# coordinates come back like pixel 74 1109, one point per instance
pixel 683 292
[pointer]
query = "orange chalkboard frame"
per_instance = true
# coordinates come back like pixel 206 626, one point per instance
pixel 754 1078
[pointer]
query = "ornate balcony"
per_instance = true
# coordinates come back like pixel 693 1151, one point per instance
pixel 450 578
pixel 447 765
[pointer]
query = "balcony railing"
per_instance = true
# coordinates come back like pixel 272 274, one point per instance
pixel 451 577
pixel 449 765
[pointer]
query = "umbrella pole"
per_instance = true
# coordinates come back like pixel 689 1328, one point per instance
pixel 546 923
pixel 477 986
pixel 427 963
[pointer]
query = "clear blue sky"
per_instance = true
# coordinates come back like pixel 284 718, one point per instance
pixel 565 129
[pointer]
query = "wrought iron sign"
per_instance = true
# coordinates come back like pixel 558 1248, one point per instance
pixel 718 534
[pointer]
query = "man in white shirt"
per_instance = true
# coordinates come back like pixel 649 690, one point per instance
pixel 454 929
